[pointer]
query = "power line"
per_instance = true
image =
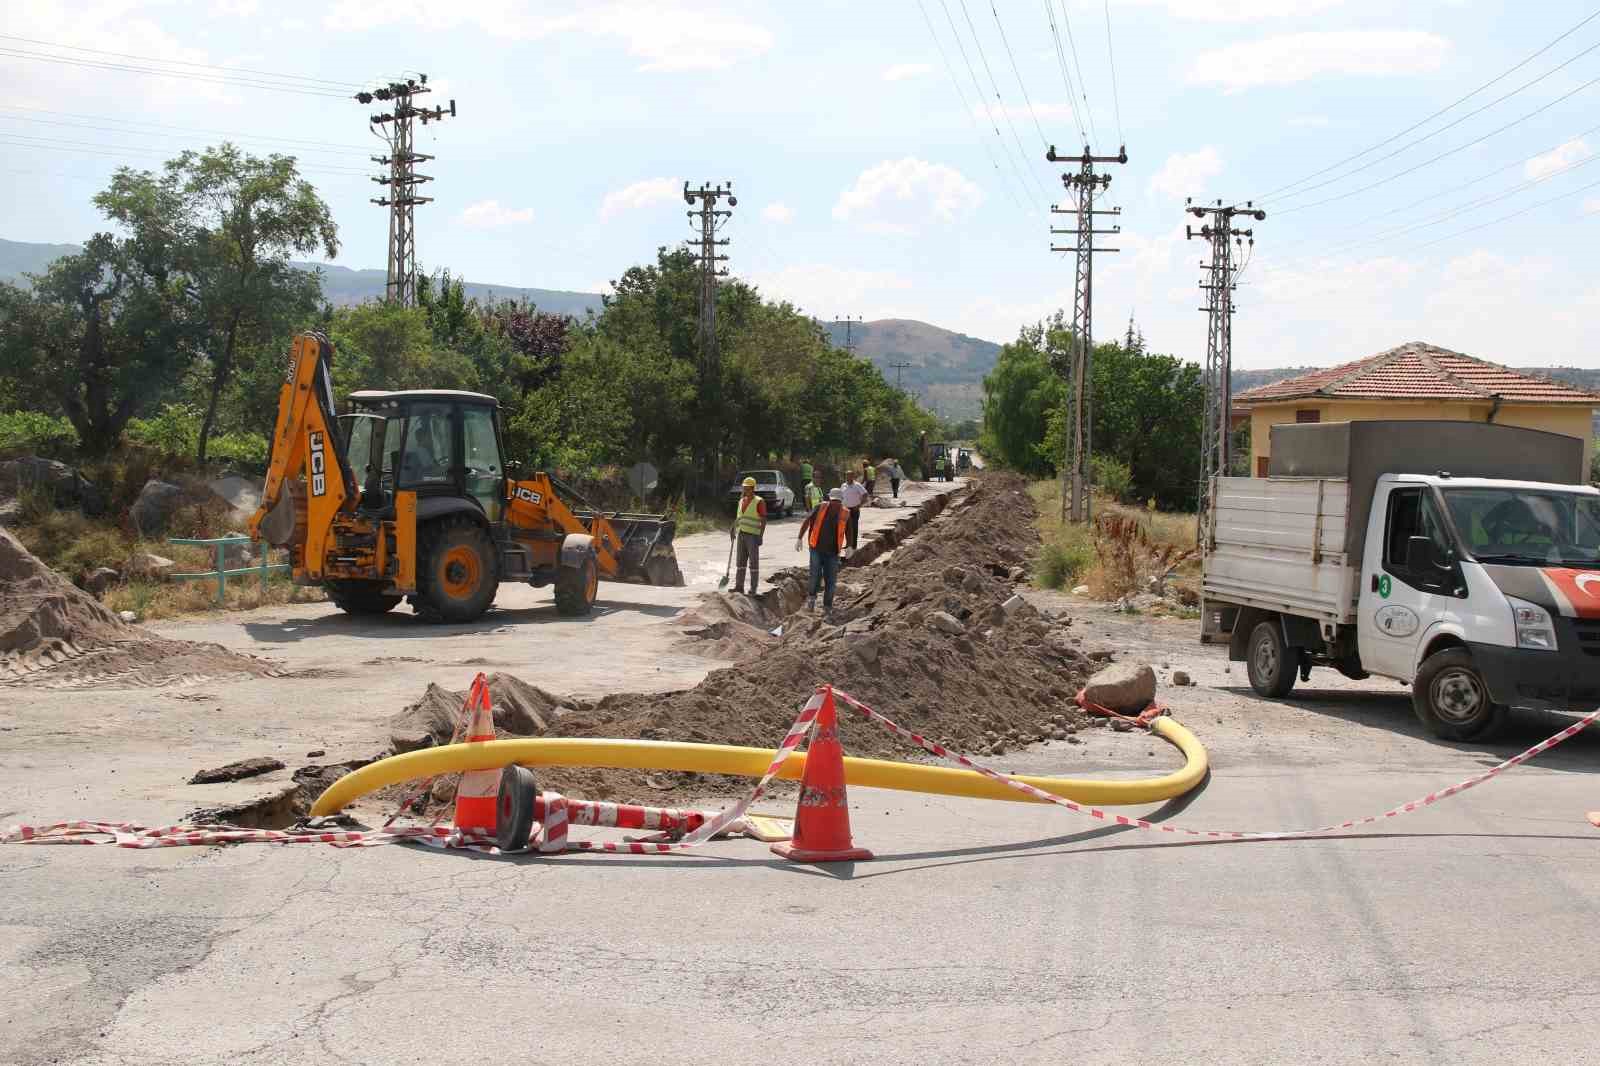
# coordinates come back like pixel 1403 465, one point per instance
pixel 977 88
pixel 1077 64
pixel 1021 151
pixel 1456 122
pixel 1023 88
pixel 1066 78
pixel 1111 57
pixel 1506 218
pixel 187 129
pixel 231 136
pixel 126 151
pixel 1448 107
pixel 1445 154
pixel 279 75
pixel 969 110
pixel 180 75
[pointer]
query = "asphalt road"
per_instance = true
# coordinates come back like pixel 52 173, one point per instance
pixel 982 932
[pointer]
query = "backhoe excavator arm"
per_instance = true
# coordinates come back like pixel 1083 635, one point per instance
pixel 306 444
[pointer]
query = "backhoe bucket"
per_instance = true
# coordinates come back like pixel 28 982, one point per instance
pixel 647 557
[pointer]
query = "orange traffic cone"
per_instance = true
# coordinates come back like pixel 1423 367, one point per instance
pixel 478 792
pixel 822 820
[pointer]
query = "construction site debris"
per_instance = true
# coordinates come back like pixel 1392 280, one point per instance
pixel 520 709
pixel 1181 678
pixel 980 693
pixel 237 771
pixel 1126 688
pixel 56 635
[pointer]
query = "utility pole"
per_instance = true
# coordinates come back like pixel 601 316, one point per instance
pixel 402 179
pixel 897 368
pixel 849 338
pixel 705 222
pixel 1075 486
pixel 1128 344
pixel 1218 285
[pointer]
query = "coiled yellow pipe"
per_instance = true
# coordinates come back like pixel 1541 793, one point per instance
pixel 753 762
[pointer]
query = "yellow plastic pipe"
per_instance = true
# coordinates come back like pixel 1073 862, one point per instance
pixel 753 762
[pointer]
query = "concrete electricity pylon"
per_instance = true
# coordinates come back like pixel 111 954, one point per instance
pixel 1218 284
pixel 396 127
pixel 1076 369
pixel 706 221
pixel 898 367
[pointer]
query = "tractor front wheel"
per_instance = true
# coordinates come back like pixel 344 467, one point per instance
pixel 577 586
pixel 456 574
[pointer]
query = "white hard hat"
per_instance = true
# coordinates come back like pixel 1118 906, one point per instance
pixel 835 494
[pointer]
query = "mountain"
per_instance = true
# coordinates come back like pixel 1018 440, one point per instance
pixel 341 285
pixel 946 368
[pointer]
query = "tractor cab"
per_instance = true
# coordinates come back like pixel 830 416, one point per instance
pixel 434 442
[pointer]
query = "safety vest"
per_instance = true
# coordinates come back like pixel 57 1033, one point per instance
pixel 872 474
pixel 938 464
pixel 813 495
pixel 830 512
pixel 749 520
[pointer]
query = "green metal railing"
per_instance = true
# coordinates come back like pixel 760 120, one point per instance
pixel 222 573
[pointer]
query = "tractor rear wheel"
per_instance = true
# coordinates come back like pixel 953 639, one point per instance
pixel 577 586
pixel 361 597
pixel 456 572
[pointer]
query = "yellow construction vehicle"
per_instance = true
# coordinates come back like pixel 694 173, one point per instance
pixel 436 517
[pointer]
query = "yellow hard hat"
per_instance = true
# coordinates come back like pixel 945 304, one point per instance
pixel 748 483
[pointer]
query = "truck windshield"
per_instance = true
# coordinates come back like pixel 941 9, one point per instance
pixel 1527 526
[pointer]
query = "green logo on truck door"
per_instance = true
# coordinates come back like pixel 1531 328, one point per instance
pixel 1384 586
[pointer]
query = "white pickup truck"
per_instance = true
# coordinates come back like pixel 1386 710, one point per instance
pixel 1462 558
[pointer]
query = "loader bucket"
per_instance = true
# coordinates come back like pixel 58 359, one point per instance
pixel 647 557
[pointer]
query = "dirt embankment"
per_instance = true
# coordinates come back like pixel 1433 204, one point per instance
pixel 55 635
pixel 934 637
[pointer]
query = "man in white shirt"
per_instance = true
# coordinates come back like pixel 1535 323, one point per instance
pixel 853 494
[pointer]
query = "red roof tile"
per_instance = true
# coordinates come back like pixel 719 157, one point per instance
pixel 1418 371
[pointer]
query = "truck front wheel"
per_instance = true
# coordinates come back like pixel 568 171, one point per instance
pixel 1451 699
pixel 1269 662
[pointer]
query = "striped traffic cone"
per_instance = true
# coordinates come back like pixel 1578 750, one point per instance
pixel 477 794
pixel 822 820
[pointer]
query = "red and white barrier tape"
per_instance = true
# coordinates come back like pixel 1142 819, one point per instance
pixel 1139 823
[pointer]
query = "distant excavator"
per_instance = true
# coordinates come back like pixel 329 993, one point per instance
pixel 436 518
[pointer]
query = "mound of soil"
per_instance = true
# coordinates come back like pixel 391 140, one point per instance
pixel 55 635
pixel 934 637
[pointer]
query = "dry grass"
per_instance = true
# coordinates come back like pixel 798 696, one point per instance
pixel 156 600
pixel 1118 553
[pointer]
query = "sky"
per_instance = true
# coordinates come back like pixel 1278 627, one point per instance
pixel 1424 167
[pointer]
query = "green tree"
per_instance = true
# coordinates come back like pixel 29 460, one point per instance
pixel 232 221
pixel 98 336
pixel 1019 396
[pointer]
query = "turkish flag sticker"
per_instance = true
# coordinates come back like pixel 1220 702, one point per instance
pixel 1577 592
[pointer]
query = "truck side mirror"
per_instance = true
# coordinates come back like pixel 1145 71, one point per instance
pixel 1422 552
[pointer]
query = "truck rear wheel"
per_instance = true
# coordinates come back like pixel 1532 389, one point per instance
pixel 577 586
pixel 456 575
pixel 1451 699
pixel 1268 661
pixel 361 597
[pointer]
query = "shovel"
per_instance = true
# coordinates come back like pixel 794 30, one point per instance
pixel 728 570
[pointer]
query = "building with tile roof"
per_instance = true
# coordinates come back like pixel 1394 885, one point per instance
pixel 1417 380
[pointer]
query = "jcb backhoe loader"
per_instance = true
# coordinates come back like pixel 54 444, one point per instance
pixel 434 518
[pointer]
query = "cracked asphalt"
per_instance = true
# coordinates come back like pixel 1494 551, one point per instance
pixel 982 932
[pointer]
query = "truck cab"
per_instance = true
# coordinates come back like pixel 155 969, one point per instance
pixel 1476 582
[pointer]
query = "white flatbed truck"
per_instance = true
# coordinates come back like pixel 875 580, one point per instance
pixel 1461 558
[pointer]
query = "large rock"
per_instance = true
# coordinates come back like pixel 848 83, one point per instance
pixel 243 494
pixel 66 486
pixel 153 509
pixel 148 566
pixel 947 623
pixel 1127 688
pixel 99 581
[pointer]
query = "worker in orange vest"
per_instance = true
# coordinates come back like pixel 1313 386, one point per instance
pixel 826 524
pixel 749 526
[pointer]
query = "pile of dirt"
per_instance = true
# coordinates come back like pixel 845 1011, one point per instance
pixel 55 635
pixel 935 637
pixel 520 710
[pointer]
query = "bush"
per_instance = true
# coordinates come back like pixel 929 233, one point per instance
pixel 1064 558
pixel 174 433
pixel 244 449
pixel 1112 477
pixel 36 433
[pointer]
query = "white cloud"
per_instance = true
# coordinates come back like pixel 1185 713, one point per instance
pixel 1185 173
pixel 648 193
pixel 1557 159
pixel 488 214
pixel 778 212
pixel 1297 57
pixel 1235 10
pixel 822 290
pixel 902 71
pixel 666 35
pixel 897 196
